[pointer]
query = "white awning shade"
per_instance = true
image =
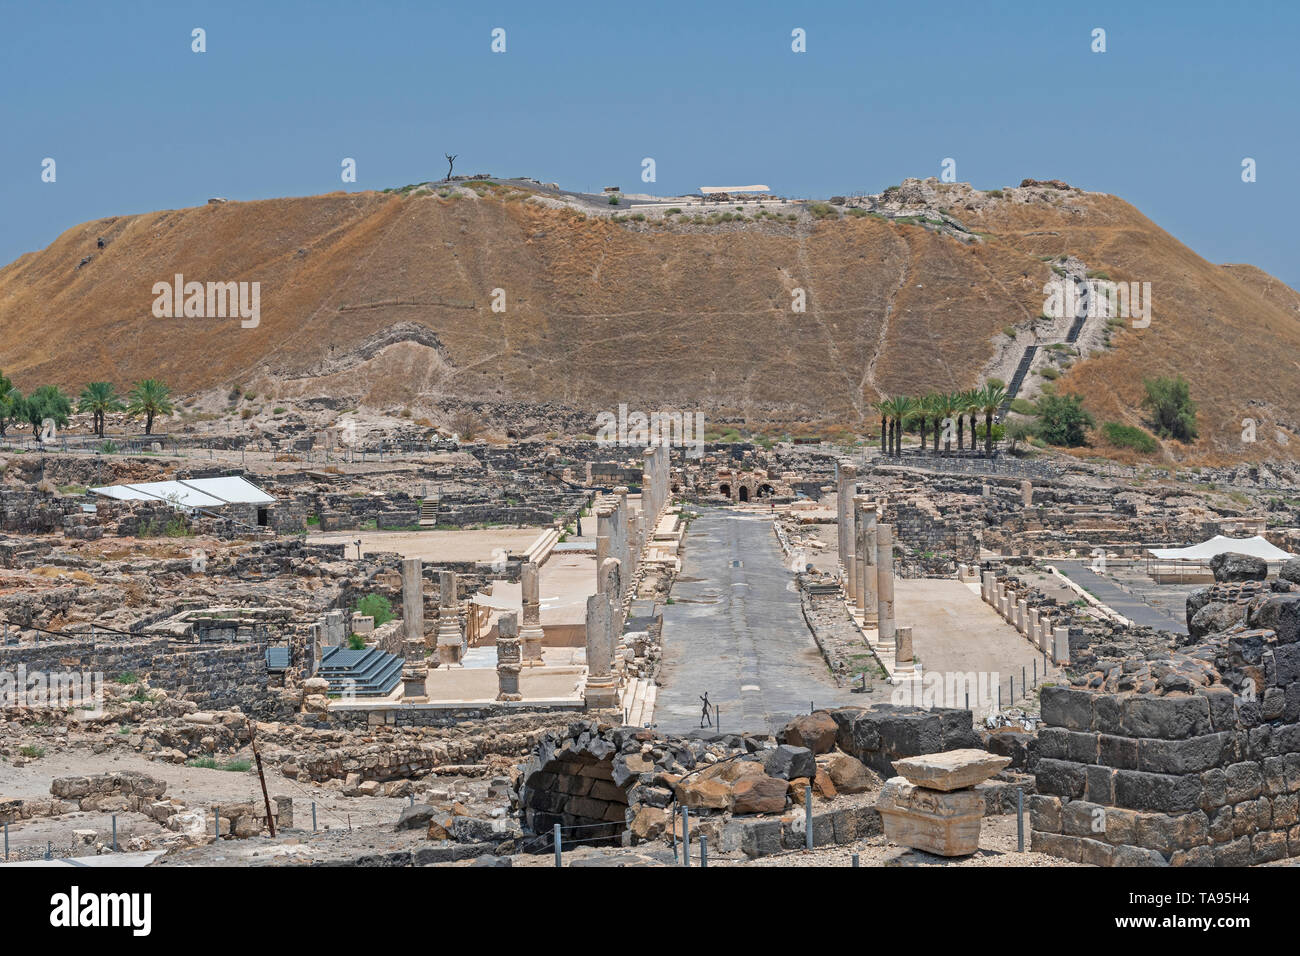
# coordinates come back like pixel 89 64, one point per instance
pixel 1257 547
pixel 191 493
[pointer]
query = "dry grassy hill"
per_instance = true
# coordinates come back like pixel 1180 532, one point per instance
pixel 386 300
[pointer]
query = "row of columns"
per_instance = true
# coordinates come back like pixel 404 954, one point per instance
pixel 654 485
pixel 866 552
pixel 1029 621
pixel 619 540
pixel 450 643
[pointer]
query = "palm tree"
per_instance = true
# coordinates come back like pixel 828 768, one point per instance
pixel 149 398
pixel 991 397
pixel 100 398
pixel 926 410
pixel 881 406
pixel 969 407
pixel 903 406
pixel 921 415
pixel 947 406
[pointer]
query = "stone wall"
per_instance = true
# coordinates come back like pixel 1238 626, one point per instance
pixel 881 734
pixel 1187 760
pixel 919 526
pixel 216 676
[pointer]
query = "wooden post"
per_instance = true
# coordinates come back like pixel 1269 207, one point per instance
pixel 252 739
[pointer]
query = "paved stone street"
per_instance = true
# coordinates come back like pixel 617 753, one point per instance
pixel 1119 600
pixel 736 631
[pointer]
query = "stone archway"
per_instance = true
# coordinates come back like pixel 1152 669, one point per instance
pixel 575 788
pixel 724 489
pixel 744 493
pixel 766 491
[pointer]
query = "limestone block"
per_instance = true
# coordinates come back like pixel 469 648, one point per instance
pixel 946 824
pixel 952 769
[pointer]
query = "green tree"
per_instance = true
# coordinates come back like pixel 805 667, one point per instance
pixel 48 401
pixel 1062 420
pixel 11 403
pixel 948 406
pixel 925 412
pixel 1172 410
pixel 376 606
pixel 882 407
pixel 1016 431
pixel 150 397
pixel 100 398
pixel 901 408
pixel 991 397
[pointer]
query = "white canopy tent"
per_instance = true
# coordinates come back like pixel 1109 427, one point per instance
pixel 1257 547
pixel 191 493
pixel 1192 564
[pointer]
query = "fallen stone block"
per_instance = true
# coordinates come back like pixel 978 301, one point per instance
pixel 951 769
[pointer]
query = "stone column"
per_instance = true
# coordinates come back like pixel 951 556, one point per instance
pixel 531 605
pixel 601 690
pixel 1031 627
pixel 845 486
pixel 622 537
pixel 508 657
pixel 1027 493
pixel 450 640
pixel 903 657
pixel 649 486
pixel 1044 634
pixel 415 670
pixel 609 585
pixel 1061 646
pixel 1022 608
pixel 885 583
pixel 867 532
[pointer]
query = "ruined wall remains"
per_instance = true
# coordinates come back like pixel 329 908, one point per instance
pixel 1191 759
pixel 880 734
pixel 216 676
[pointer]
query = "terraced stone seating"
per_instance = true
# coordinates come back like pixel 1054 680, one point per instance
pixel 364 673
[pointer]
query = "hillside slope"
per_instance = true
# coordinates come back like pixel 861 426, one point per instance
pixel 386 300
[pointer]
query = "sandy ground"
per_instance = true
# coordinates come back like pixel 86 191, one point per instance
pixel 195 786
pixel 954 631
pixel 482 544
pixel 563 670
pixel 564 583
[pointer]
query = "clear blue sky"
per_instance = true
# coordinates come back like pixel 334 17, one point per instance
pixel 136 121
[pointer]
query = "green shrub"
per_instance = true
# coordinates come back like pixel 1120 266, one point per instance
pixel 210 763
pixel 376 606
pixel 356 642
pixel 1128 436
pixel 1062 420
pixel 1169 401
